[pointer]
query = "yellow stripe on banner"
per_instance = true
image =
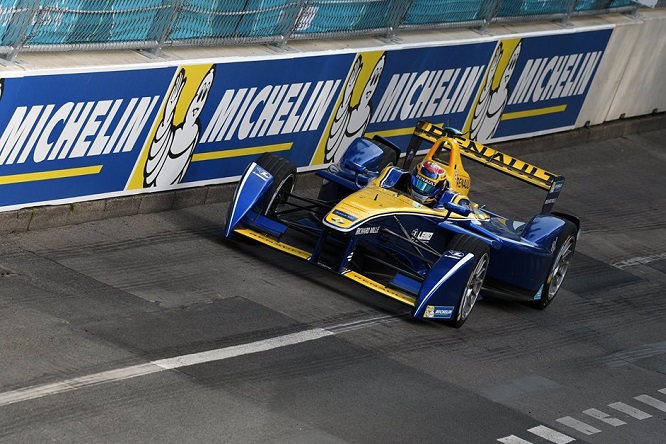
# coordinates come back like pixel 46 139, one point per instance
pixel 48 175
pixel 534 112
pixel 214 155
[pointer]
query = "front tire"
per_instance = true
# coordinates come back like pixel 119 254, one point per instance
pixel 565 248
pixel 470 293
pixel 284 180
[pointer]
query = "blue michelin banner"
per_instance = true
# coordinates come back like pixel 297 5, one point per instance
pixel 84 135
pixel 72 135
pixel 536 85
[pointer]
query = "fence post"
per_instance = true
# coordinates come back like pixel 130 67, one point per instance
pixel 18 29
pixel 490 8
pixel 397 15
pixel 289 19
pixel 566 20
pixel 163 31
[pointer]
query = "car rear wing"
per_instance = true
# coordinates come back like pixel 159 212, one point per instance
pixel 551 182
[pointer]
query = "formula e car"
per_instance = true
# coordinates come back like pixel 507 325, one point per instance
pixel 367 225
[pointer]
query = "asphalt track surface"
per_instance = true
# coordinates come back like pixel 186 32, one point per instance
pixel 153 328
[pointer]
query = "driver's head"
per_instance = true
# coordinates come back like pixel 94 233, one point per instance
pixel 428 181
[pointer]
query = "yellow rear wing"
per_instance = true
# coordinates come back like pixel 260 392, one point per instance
pixel 492 158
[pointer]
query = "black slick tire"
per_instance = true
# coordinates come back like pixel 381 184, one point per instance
pixel 564 250
pixel 470 294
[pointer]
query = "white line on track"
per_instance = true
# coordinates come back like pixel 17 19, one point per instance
pixel 577 425
pixel 604 417
pixel 629 410
pixel 39 391
pixel 586 429
pixel 513 439
pixel 649 400
pixel 643 260
pixel 551 435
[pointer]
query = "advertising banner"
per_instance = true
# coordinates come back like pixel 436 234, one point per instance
pixel 95 134
pixel 72 135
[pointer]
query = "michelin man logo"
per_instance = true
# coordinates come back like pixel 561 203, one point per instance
pixel 173 145
pixel 350 121
pixel 492 101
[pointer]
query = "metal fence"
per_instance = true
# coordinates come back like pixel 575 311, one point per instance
pixel 59 25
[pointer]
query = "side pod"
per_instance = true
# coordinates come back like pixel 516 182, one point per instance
pixel 252 186
pixel 441 290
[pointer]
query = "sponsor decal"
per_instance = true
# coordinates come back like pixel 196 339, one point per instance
pixel 461 182
pixel 345 215
pixel 423 236
pixel 454 254
pixel 556 186
pixel 367 230
pixel 259 171
pixel 438 312
pixel 490 155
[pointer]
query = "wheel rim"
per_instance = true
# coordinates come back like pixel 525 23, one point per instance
pixel 473 288
pixel 280 195
pixel 561 266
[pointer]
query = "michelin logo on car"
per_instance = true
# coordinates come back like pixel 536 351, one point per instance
pixel 433 311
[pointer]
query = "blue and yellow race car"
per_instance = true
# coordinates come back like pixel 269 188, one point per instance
pixel 412 234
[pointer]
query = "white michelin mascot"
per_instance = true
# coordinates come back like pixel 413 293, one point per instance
pixel 350 121
pixel 173 145
pixel 491 102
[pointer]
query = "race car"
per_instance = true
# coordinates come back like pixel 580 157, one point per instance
pixel 412 234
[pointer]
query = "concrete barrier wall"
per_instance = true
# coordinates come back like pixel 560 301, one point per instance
pixel 555 84
pixel 631 78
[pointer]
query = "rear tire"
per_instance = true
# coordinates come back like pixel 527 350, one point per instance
pixel 470 293
pixel 284 180
pixel 565 248
pixel 388 158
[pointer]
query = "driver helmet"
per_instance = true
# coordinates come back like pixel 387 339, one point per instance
pixel 428 181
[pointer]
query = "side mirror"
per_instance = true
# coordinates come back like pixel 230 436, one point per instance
pixel 361 173
pixel 458 209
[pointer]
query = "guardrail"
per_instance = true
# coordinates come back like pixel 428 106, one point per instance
pixel 61 25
